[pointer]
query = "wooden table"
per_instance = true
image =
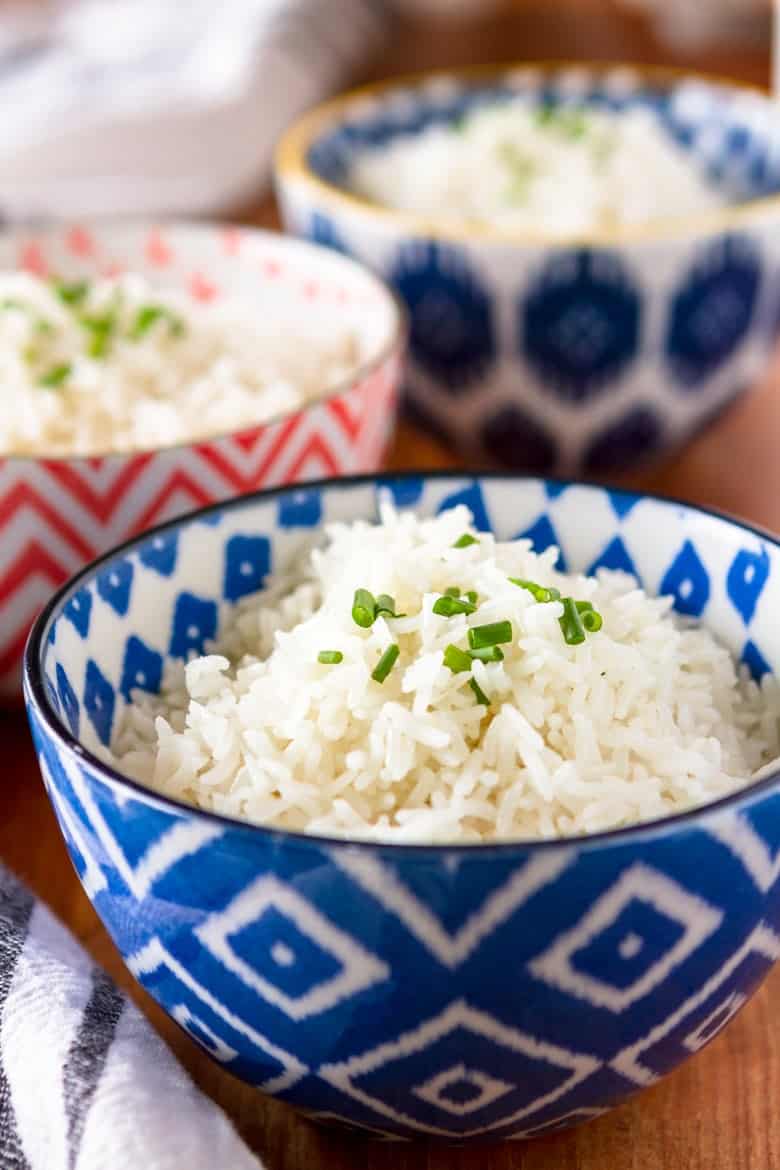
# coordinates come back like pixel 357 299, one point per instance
pixel 718 1112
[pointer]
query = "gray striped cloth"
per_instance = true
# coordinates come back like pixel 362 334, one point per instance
pixel 85 1083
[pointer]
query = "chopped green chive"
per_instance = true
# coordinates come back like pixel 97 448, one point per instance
pixel 453 591
pixel 448 606
pixel 330 657
pixel 567 120
pixel 147 315
pixel 571 623
pixel 590 618
pixel 364 608
pixel 489 635
pixel 386 604
pixel 100 330
pixel 479 694
pixel 98 343
pixel 472 596
pixel 385 664
pixel 487 654
pixel 456 660
pixel 71 293
pixel 540 593
pixel 465 540
pixel 55 376
pixel 520 165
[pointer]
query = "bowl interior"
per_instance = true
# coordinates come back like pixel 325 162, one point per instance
pixel 731 134
pixel 165 595
pixel 280 279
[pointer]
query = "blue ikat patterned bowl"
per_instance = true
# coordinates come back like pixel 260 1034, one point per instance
pixel 582 354
pixel 456 992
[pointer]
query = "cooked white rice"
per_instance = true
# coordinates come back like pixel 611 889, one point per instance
pixel 117 365
pixel 644 718
pixel 565 171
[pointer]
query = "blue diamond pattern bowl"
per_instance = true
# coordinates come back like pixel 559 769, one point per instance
pixel 464 992
pixel 587 353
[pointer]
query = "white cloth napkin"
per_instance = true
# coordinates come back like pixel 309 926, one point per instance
pixel 161 107
pixel 85 1083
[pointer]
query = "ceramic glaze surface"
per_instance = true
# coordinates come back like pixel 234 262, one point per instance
pixel 57 514
pixel 583 354
pixel 457 992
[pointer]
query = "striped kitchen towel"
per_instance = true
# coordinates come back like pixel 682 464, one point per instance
pixel 85 1083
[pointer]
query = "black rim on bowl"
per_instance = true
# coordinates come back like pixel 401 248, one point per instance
pixel 36 695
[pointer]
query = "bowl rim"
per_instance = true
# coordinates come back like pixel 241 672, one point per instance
pixel 394 345
pixel 291 163
pixel 36 696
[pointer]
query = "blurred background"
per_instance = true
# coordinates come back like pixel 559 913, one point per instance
pixel 117 107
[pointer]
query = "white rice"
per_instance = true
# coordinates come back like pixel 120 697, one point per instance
pixel 645 718
pixel 195 370
pixel 510 166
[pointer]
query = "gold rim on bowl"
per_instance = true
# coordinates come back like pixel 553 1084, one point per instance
pixel 291 161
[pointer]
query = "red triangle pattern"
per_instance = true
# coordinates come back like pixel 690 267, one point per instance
pixel 92 505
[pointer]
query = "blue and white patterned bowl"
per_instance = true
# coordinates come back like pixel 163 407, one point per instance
pixel 589 353
pixel 459 992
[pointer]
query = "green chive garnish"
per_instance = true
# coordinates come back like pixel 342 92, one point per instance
pixel 100 330
pixel 55 376
pixel 364 608
pixel 539 592
pixel 571 623
pixel 472 596
pixel 465 540
pixel 98 343
pixel 453 591
pixel 385 664
pixel 147 315
pixel 487 654
pixel 489 635
pixel 456 660
pixel 330 657
pixel 386 604
pixel 590 618
pixel 71 293
pixel 448 606
pixel 479 694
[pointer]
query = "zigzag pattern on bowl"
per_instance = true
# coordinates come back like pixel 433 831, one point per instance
pixel 548 356
pixel 456 992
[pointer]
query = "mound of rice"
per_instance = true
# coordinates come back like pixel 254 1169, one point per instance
pixel 646 717
pixel 118 365
pixel 560 170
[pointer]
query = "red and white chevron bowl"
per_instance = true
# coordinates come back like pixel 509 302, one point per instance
pixel 56 514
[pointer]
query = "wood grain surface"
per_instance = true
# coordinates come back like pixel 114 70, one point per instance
pixel 719 1111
